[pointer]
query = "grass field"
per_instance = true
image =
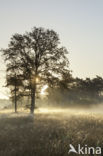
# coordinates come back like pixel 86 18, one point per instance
pixel 49 132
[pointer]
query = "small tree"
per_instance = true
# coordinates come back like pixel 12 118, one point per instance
pixel 15 84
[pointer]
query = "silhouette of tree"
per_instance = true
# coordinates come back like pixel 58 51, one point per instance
pixel 88 90
pixel 15 84
pixel 39 58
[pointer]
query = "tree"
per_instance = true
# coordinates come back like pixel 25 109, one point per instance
pixel 15 84
pixel 39 57
pixel 14 79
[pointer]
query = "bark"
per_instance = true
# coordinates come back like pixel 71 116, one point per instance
pixel 15 100
pixel 32 100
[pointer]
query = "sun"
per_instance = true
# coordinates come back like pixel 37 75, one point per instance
pixel 43 89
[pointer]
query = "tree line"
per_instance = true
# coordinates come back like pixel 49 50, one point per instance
pixel 77 92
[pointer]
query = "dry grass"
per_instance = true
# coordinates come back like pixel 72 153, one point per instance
pixel 48 134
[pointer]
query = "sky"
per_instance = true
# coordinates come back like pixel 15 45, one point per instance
pixel 79 24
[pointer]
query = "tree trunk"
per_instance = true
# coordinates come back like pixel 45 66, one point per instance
pixel 33 94
pixel 15 100
pixel 32 100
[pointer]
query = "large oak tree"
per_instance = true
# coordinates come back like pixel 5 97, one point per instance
pixel 39 58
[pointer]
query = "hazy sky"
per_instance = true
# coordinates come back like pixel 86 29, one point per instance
pixel 78 22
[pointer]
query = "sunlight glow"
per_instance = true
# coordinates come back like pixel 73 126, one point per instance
pixel 37 80
pixel 71 111
pixel 43 89
pixel 49 110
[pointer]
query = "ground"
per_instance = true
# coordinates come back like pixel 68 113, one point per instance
pixel 48 132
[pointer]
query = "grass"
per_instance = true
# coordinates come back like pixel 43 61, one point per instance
pixel 48 133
